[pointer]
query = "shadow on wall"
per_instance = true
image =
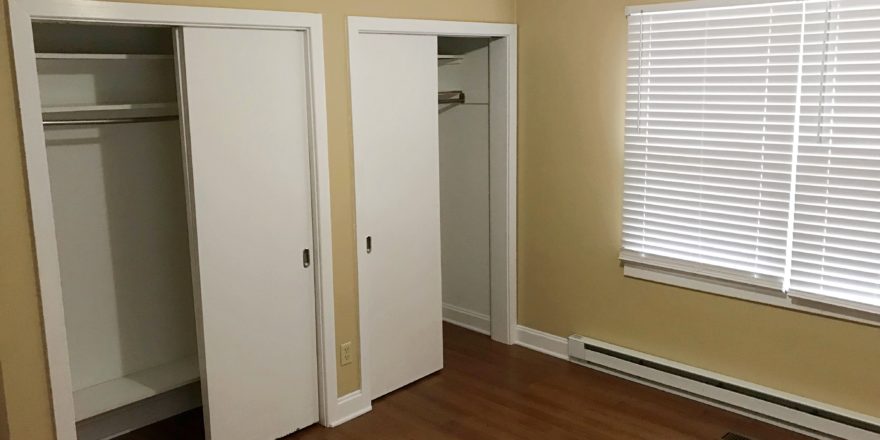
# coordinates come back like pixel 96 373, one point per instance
pixel 149 245
pixel 4 419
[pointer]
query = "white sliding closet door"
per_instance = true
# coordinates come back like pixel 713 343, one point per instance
pixel 248 145
pixel 394 95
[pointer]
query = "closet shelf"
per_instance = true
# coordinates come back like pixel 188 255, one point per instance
pixel 102 56
pixel 111 107
pixel 116 393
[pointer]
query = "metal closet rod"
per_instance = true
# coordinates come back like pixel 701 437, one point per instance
pixel 108 121
pixel 451 97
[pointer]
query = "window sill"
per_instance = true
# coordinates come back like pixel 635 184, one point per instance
pixel 747 293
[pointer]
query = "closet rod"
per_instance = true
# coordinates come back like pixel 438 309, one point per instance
pixel 451 97
pixel 110 120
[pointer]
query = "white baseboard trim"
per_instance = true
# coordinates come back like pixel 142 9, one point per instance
pixel 542 342
pixel 468 319
pixel 351 406
pixel 727 399
pixel 749 399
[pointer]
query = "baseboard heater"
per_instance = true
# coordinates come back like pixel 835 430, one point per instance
pixel 773 406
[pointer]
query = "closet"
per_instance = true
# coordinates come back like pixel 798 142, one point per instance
pixel 463 77
pixel 421 106
pixel 180 185
pixel 118 197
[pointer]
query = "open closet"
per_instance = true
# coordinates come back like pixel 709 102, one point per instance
pixel 463 78
pixel 173 196
pixel 110 113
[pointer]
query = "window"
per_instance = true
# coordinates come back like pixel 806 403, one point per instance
pixel 752 147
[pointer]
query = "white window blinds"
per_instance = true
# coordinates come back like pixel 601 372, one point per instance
pixel 836 241
pixel 711 103
pixel 752 144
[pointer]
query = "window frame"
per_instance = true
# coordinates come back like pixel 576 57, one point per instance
pixel 755 294
pixel 801 302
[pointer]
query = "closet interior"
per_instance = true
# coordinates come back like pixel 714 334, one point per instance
pixel 113 145
pixel 463 101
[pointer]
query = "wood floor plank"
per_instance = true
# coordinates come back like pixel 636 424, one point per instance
pixel 488 390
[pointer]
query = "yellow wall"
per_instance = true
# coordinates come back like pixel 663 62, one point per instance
pixel 571 104
pixel 571 136
pixel 22 352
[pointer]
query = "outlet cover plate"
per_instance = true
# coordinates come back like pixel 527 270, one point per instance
pixel 345 353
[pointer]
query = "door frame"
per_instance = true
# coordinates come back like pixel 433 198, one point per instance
pixel 503 162
pixel 21 14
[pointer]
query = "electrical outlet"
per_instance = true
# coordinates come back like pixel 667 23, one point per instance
pixel 345 353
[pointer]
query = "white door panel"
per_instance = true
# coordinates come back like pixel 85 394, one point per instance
pixel 394 95
pixel 248 145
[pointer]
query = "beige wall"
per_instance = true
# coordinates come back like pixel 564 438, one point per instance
pixel 572 85
pixel 20 332
pixel 571 108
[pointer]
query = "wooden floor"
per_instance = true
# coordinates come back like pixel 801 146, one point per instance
pixel 489 390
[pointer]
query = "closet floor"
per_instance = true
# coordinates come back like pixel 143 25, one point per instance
pixel 489 390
